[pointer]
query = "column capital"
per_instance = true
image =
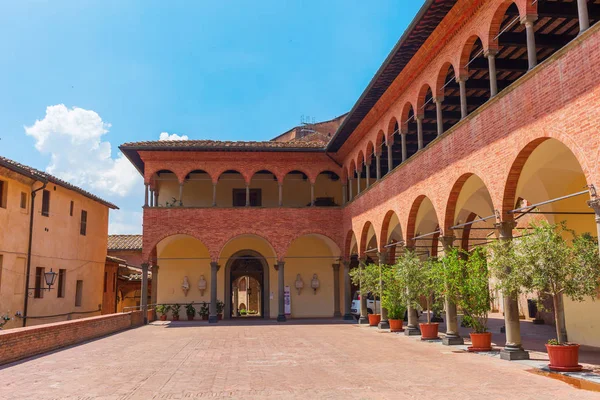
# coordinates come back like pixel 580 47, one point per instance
pixel 145 265
pixel 438 99
pixel 504 229
pixel 382 256
pixel 461 79
pixel 529 19
pixel 215 265
pixel 336 267
pixel 490 53
pixel 447 242
pixel 155 267
pixel 277 264
pixel 346 263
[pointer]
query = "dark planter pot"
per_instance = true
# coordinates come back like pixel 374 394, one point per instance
pixel 190 317
pixel 163 317
pixel 480 341
pixel 175 317
pixel 395 325
pixel 564 358
pixel 429 331
pixel 219 317
pixel 205 318
pixel 374 319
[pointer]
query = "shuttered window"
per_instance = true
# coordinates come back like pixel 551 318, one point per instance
pixel 46 203
pixel 83 228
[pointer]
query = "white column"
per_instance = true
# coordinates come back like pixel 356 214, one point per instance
pixel 344 193
pixel 462 83
pixel 378 165
pixel 403 136
pixel 368 171
pixel 439 118
pixel 584 19
pixel 247 195
pixel 350 189
pixel 358 174
pixel 181 194
pixel 390 154
pixel 528 21
pixel 312 194
pixel 419 132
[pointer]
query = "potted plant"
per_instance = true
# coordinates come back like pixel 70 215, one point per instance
pixel 190 311
pixel 430 287
pixel 367 279
pixel 394 298
pixel 475 299
pixel 220 307
pixel 163 310
pixel 557 269
pixel 203 312
pixel 175 311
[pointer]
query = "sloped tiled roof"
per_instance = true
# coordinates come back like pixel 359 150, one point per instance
pixel 221 145
pixel 33 173
pixel 124 242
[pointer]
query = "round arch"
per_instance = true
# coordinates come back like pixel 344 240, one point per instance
pixel 367 235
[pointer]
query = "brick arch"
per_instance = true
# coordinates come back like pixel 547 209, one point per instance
pixel 362 247
pixel 254 171
pixel 348 243
pixel 352 169
pixel 385 228
pixel 421 97
pixel 391 129
pixel 369 154
pixel 189 170
pixel 404 116
pixel 360 159
pixel 514 174
pixel 412 218
pixel 312 177
pixel 465 55
pixel 379 140
pixel 247 175
pixel 525 8
pixel 149 245
pixel 440 82
pixel 149 175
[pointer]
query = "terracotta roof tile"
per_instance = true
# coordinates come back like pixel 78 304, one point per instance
pixel 124 242
pixel 37 174
pixel 223 145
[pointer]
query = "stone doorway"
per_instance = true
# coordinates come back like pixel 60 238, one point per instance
pixel 246 286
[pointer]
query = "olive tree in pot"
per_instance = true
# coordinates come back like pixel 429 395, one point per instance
pixel 431 284
pixel 557 268
pixel 394 298
pixel 367 279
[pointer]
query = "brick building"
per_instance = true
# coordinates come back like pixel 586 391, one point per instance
pixel 482 108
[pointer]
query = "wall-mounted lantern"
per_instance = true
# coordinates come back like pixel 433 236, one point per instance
pixel 202 285
pixel 299 283
pixel 50 278
pixel 185 286
pixel 314 283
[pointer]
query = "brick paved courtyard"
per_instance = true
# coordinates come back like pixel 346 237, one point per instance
pixel 269 361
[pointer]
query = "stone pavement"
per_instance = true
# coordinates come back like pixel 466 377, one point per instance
pixel 264 360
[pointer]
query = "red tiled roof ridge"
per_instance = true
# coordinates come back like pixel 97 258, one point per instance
pixel 203 143
pixel 125 242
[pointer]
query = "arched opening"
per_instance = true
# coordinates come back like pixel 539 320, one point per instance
pixel 246 274
pixel 511 59
pixel 476 66
pixel 392 239
pixel 231 190
pixel 395 141
pixel 264 190
pixel 165 189
pixel 296 190
pixel 314 257
pixel 328 189
pixel 423 228
pixel 547 170
pixel 409 128
pixel 198 189
pixel 247 255
pixel 382 147
pixel 361 173
pixel 426 109
pixel 184 262
pixel 352 185
pixel 371 160
pixel 450 91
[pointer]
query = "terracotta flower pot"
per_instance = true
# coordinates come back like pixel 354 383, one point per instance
pixel 480 341
pixel 374 319
pixel 163 317
pixel 190 317
pixel 395 325
pixel 429 331
pixel 175 317
pixel 219 317
pixel 564 358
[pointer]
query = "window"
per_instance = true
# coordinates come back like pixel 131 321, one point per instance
pixel 39 283
pixel 46 203
pixel 71 209
pixel 62 276
pixel 1 270
pixel 105 280
pixel 78 293
pixel 83 228
pixel 239 197
pixel 3 193
pixel 23 200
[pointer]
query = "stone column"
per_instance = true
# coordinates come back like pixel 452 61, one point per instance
pixel 212 313
pixel 358 176
pixel 528 21
pixel 363 319
pixel 403 136
pixel 347 292
pixel 462 83
pixel 144 293
pixel 378 165
pixel 247 195
pixel 336 290
pixel 584 19
pixel 214 200
pixel 439 118
pixel 145 195
pixel 344 193
pixel 281 287
pixel 280 194
pixel 595 205
pixel 151 198
pixel 154 289
pixel 155 197
pixel 452 335
pixel 512 349
pixel 312 194
pixel 368 172
pixel 412 327
pixel 390 154
pixel 384 323
pixel 351 195
pixel 235 300
pixel 181 194
pixel 419 132
pixel 491 56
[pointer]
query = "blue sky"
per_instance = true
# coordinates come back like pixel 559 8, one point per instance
pixel 129 70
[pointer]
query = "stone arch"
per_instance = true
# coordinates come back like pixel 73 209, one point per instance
pixel 233 238
pixel 422 99
pixel 465 55
pixel 365 238
pixel 440 82
pixel 406 113
pixel 385 228
pixel 498 17
pixel 380 141
pixel 393 125
pixel 350 237
pixel 360 159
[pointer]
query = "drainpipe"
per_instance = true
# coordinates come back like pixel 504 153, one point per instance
pixel 32 210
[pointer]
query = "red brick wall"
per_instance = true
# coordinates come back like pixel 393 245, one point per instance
pixel 19 343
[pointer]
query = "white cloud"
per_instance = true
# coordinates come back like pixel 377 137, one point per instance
pixel 124 222
pixel 166 136
pixel 73 139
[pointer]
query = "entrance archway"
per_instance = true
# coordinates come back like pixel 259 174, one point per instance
pixel 250 264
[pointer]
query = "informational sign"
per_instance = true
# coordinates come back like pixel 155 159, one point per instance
pixel 287 300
